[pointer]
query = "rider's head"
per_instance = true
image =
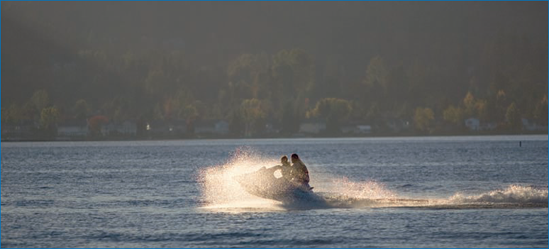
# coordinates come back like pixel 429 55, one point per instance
pixel 284 159
pixel 294 157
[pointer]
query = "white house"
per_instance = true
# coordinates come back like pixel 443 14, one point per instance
pixel 18 131
pixel 312 126
pixel 397 125
pixel 72 129
pixel 532 126
pixel 473 124
pixel 124 128
pixel 108 129
pixel 364 129
pixel 353 129
pixel 356 129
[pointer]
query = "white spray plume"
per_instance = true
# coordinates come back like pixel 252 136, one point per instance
pixel 219 189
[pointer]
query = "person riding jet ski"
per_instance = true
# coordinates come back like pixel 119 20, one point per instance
pixel 300 174
pixel 294 183
pixel 286 168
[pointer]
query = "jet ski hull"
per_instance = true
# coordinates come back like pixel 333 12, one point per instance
pixel 264 184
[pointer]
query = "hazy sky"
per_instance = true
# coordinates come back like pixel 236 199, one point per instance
pixel 214 33
pixel 349 28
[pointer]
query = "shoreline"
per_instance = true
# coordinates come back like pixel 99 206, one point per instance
pixel 113 139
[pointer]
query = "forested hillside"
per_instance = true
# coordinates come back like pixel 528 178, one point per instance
pixel 433 64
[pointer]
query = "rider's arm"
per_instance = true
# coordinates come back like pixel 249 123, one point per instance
pixel 274 168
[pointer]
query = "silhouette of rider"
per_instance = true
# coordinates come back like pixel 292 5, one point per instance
pixel 300 174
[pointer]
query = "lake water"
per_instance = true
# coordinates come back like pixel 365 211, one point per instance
pixel 488 191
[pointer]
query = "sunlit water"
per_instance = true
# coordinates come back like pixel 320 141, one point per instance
pixel 378 192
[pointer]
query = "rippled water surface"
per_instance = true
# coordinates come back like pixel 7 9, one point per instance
pixel 380 192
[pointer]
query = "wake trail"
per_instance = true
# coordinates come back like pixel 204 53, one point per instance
pixel 514 196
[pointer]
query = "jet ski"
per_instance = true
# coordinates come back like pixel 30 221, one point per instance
pixel 264 184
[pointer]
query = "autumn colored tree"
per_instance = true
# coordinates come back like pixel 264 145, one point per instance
pixel 49 117
pixel 95 123
pixel 453 115
pixel 12 114
pixel 377 72
pixel 40 100
pixel 540 113
pixel 81 109
pixel 248 76
pixel 513 117
pixel 469 105
pixel 423 119
pixel 190 113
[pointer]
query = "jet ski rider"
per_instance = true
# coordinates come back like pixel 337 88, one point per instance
pixel 286 168
pixel 299 172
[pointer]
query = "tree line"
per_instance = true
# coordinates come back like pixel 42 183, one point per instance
pixel 501 84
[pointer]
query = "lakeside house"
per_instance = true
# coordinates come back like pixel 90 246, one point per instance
pixel 397 125
pixel 473 124
pixel 126 128
pixel 72 129
pixel 25 129
pixel 312 126
pixel 357 129
pixel 529 125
